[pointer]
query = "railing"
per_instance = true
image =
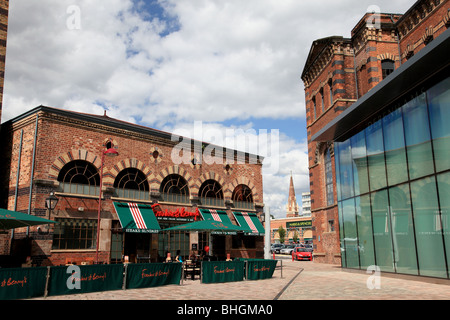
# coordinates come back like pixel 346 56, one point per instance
pixel 23 283
pixel 172 197
pixel 213 202
pixel 132 194
pixel 76 188
pixel 244 205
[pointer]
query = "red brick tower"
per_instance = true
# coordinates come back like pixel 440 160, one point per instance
pixel 338 71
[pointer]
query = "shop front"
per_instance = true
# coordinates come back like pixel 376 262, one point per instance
pixel 153 233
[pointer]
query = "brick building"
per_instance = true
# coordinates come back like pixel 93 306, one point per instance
pixel 52 150
pixel 339 72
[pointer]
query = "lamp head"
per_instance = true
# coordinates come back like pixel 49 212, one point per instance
pixel 111 152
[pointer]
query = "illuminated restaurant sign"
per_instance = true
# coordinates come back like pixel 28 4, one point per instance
pixel 181 214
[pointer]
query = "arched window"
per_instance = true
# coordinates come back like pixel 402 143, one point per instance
pixel 132 183
pixel 330 86
pixel 174 188
pixel 211 193
pixel 242 197
pixel 314 107
pixel 329 177
pixel 322 99
pixel 79 177
pixel 387 67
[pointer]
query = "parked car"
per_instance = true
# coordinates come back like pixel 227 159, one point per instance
pixel 287 249
pixel 276 247
pixel 301 253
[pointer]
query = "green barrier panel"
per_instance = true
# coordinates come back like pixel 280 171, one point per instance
pixel 88 279
pixel 258 269
pixel 22 283
pixel 221 271
pixel 144 275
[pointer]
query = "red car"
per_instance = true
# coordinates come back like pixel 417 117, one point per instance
pixel 301 253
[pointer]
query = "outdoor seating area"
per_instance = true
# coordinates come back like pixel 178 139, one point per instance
pixel 192 269
pixel 31 282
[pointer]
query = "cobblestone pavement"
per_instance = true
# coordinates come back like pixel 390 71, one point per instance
pixel 300 280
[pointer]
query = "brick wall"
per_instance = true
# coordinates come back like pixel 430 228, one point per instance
pixel 61 139
pixel 353 67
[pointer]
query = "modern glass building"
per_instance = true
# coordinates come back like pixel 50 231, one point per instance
pixel 392 157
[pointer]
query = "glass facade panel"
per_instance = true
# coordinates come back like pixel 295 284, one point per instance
pixel 345 167
pixel 444 199
pixel 430 248
pixel 403 230
pixel 342 233
pixel 417 135
pixel 351 235
pixel 382 231
pixel 365 231
pixel 359 162
pixel 393 185
pixel 375 153
pixel 394 144
pixel 439 105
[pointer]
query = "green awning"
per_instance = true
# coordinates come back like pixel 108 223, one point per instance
pixel 137 218
pixel 215 227
pixel 13 219
pixel 215 215
pixel 250 222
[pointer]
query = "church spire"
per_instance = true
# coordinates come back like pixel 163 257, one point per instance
pixel 292 206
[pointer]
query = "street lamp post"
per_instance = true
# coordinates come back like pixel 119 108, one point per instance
pixel 50 203
pixel 111 152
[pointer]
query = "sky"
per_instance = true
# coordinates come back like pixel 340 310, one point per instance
pixel 232 67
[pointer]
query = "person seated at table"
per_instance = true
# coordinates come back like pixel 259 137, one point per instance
pixel 178 257
pixel 192 256
pixel 201 256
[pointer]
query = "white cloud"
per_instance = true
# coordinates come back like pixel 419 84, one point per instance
pixel 211 61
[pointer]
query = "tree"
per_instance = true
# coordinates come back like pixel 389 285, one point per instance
pixel 295 237
pixel 281 234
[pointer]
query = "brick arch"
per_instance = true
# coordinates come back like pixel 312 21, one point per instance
pixel 428 35
pixel 248 183
pixel 110 177
pixel 387 56
pixel 156 181
pixel 211 176
pixel 72 155
pixel 321 148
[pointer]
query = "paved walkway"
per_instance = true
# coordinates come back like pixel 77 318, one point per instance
pixel 301 280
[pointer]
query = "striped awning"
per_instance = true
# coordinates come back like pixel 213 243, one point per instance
pixel 249 221
pixel 137 218
pixel 216 215
pixel 221 218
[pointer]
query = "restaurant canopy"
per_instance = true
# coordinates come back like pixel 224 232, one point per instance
pixel 215 215
pixel 250 222
pixel 215 227
pixel 13 219
pixel 137 218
